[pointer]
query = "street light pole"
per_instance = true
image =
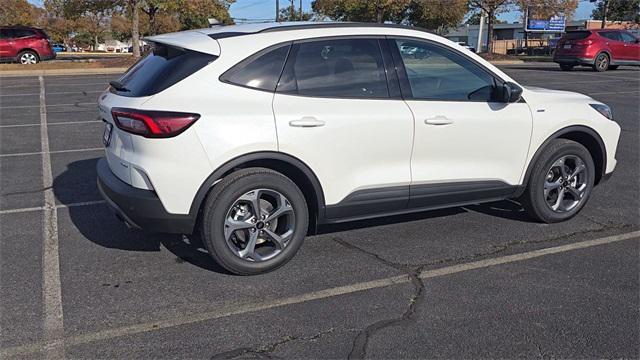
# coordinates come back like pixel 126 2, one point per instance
pixel 277 10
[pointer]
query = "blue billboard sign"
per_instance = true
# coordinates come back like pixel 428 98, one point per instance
pixel 554 24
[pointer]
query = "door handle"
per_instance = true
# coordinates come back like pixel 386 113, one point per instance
pixel 438 120
pixel 307 121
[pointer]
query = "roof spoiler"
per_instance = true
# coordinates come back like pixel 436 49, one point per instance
pixel 188 40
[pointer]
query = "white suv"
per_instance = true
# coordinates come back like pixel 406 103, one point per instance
pixel 253 135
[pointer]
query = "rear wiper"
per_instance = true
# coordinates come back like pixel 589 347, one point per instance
pixel 118 85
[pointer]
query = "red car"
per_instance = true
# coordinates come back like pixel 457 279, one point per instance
pixel 26 45
pixel 601 49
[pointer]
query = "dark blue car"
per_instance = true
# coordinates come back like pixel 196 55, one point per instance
pixel 58 47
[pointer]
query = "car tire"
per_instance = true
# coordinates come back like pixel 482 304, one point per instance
pixel 552 197
pixel 28 57
pixel 565 67
pixel 229 223
pixel 601 63
pixel 613 67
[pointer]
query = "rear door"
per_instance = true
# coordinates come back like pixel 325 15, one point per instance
pixel 335 111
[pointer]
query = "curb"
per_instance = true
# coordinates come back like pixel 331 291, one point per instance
pixel 53 72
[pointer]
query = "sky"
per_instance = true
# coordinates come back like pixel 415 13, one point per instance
pixel 264 10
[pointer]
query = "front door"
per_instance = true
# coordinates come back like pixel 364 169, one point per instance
pixel 334 111
pixel 467 146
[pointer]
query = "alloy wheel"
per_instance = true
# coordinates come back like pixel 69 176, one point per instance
pixel 602 62
pixel 259 225
pixel 28 58
pixel 566 183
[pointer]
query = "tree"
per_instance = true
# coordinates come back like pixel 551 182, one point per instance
pixel 617 10
pixel 491 8
pixel 287 14
pixel 438 15
pixel 18 12
pixel 91 16
pixel 362 11
pixel 545 9
pixel 195 14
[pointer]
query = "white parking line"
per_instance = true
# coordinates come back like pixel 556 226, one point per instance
pixel 51 288
pixel 52 152
pixel 55 105
pixel 50 124
pixel 80 92
pixel 242 309
pixel 60 206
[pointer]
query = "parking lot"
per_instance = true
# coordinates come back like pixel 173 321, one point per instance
pixel 479 281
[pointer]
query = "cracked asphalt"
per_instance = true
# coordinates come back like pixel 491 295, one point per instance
pixel 481 281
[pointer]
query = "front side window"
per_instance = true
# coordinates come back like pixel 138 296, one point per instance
pixel 260 71
pixel 349 68
pixel 21 33
pixel 436 73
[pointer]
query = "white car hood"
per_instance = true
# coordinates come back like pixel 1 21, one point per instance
pixel 557 95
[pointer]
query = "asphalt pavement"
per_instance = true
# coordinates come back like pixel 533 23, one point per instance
pixel 481 281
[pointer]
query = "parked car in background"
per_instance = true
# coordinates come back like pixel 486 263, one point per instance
pixel 58 48
pixel 602 49
pixel 324 123
pixel 464 45
pixel 26 45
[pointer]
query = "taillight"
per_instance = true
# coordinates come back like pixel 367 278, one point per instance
pixel 153 124
pixel 584 42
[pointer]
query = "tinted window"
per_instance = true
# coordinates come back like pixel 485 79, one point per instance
pixel 260 71
pixel 162 67
pixel 351 68
pixel 611 35
pixel 576 35
pixel 628 38
pixel 435 73
pixel 20 33
pixel 4 34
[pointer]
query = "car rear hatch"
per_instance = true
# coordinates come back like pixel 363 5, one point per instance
pixel 171 59
pixel 574 43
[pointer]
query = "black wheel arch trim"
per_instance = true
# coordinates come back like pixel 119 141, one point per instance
pixel 239 161
pixel 556 135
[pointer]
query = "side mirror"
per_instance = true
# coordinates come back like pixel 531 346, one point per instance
pixel 511 92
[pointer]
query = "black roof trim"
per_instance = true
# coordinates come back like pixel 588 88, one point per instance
pixel 320 25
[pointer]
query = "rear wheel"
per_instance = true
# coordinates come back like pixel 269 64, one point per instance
pixel 566 67
pixel 560 182
pixel 28 57
pixel 254 221
pixel 601 63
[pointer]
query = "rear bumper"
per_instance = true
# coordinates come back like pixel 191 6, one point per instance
pixel 573 60
pixel 141 209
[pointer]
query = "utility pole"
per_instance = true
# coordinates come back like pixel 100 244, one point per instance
pixel 301 12
pixel 277 10
pixel 479 46
pixel 605 4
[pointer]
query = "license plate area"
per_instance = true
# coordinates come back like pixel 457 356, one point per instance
pixel 106 135
pixel 568 46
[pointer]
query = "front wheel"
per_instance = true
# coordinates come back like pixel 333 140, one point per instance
pixel 254 221
pixel 560 182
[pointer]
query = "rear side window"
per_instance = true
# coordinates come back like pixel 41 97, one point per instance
pixel 611 35
pixel 260 71
pixel 343 68
pixel 20 33
pixel 4 34
pixel 163 67
pixel 577 35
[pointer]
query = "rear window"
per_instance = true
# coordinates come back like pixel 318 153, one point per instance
pixel 576 35
pixel 163 67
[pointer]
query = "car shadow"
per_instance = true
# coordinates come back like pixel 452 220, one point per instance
pixel 98 224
